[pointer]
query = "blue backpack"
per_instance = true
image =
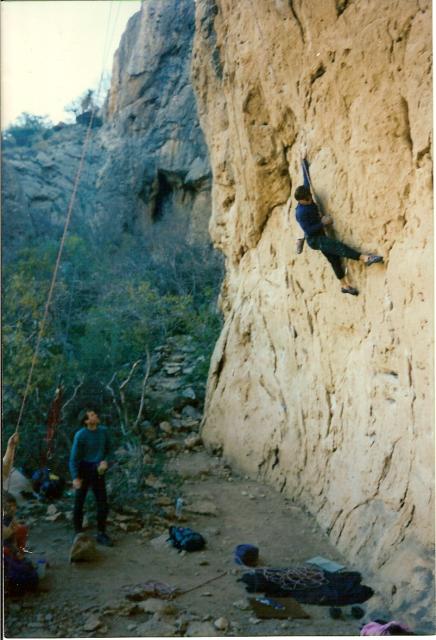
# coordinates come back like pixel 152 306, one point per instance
pixel 185 539
pixel 47 484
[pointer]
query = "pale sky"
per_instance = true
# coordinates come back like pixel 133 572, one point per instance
pixel 52 51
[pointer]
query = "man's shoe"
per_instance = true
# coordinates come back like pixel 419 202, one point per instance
pixel 351 290
pixel 103 538
pixel 373 259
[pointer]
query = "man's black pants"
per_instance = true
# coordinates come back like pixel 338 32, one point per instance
pixel 333 250
pixel 91 480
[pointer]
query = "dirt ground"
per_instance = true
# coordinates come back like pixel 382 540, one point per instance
pixel 89 599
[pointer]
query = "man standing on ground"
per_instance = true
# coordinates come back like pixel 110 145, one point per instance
pixel 309 219
pixel 88 464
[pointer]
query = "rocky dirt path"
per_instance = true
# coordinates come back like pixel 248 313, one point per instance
pixel 89 599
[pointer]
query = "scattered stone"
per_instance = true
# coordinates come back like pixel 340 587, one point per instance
pixel 188 424
pixel 52 509
pixel 206 594
pixel 191 412
pixel 92 623
pixel 172 370
pixel 188 370
pixel 192 441
pixel 164 501
pixel 203 507
pixel 156 628
pixel 161 607
pixel 201 629
pixel 131 627
pixel 254 620
pixel 166 427
pixel 54 517
pixel 243 605
pixel 153 482
pixel 168 445
pixel 121 517
pixel 222 624
pixel 189 393
pixel 84 549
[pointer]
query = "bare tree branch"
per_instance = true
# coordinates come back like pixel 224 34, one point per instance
pixel 144 382
pixel 129 377
pixel 116 403
pixel 74 394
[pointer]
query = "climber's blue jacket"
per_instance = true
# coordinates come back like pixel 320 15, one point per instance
pixel 309 219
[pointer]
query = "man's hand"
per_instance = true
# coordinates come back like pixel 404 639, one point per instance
pixel 102 467
pixel 326 220
pixel 77 483
pixel 13 440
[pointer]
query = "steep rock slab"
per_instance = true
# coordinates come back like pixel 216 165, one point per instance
pixel 329 397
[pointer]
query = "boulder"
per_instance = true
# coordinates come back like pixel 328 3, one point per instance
pixel 83 549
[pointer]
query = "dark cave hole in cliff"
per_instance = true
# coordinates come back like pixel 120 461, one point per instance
pixel 163 193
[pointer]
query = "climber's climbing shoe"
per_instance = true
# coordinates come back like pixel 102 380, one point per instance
pixel 351 290
pixel 373 259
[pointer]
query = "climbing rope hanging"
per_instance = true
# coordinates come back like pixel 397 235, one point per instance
pixel 85 148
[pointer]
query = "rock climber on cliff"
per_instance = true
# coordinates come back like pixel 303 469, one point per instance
pixel 313 225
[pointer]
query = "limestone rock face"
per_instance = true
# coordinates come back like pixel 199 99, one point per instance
pixel 327 396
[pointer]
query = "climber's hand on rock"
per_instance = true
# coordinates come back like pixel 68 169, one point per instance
pixel 326 220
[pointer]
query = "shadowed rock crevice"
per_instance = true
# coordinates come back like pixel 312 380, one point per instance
pixel 297 19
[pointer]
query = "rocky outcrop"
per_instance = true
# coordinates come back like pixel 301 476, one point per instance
pixel 38 183
pixel 147 164
pixel 329 397
pixel 151 117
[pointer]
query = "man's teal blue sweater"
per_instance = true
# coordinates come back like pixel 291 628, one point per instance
pixel 90 447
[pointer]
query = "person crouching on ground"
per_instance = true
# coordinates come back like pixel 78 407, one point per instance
pixel 20 575
pixel 89 457
pixel 313 225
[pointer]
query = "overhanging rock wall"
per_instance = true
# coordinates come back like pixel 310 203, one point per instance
pixel 327 396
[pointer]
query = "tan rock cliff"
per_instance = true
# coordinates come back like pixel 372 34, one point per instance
pixel 329 397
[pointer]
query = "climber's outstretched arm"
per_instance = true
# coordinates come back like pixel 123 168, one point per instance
pixel 305 168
